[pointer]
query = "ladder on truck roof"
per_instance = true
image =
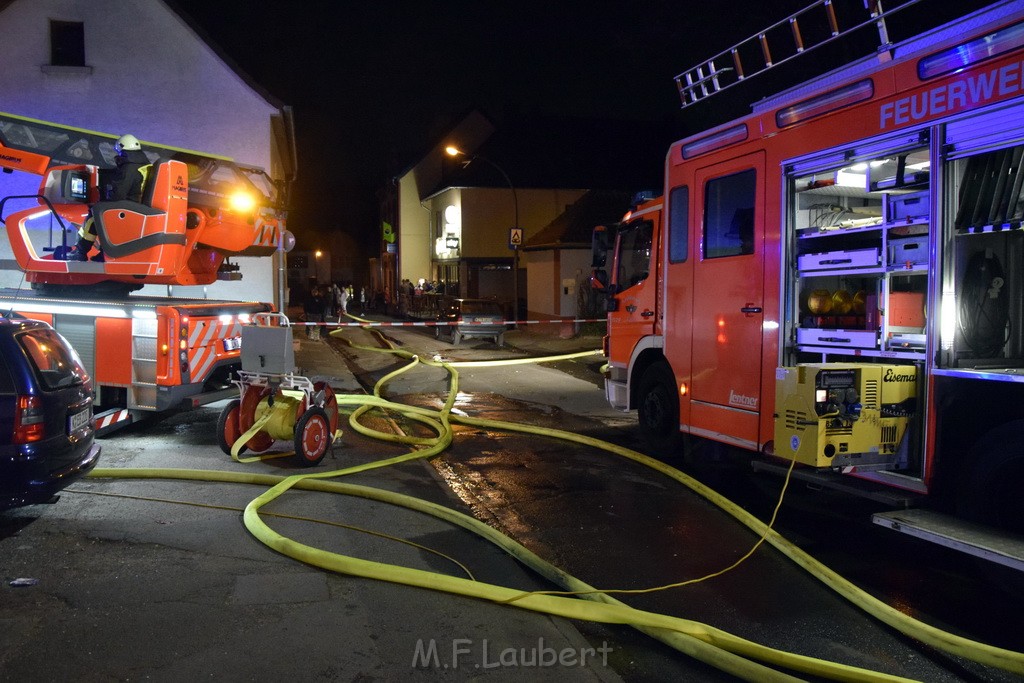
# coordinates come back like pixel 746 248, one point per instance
pixel 755 55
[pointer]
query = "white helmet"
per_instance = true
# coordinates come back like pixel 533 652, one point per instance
pixel 127 143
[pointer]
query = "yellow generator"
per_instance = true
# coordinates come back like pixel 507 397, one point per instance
pixel 839 415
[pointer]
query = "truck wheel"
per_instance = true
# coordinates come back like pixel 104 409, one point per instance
pixel 658 410
pixel 312 437
pixel 991 490
pixel 228 430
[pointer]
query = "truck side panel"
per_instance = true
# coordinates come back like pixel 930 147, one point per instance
pixel 111 367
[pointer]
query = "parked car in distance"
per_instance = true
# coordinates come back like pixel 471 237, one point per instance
pixel 470 319
pixel 47 438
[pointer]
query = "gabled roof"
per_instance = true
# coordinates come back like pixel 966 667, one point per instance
pixel 224 56
pixel 573 228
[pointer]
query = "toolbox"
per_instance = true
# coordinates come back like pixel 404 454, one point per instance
pixel 908 251
pixel 907 208
pixel 839 260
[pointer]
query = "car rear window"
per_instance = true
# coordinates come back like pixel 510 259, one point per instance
pixel 55 363
pixel 480 307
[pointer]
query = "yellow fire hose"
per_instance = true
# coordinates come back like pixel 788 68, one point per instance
pixel 717 648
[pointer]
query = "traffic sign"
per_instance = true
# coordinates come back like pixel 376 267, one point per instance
pixel 515 238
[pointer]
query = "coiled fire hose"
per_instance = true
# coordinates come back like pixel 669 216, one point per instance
pixel 729 653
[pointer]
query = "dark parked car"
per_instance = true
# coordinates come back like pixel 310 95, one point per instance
pixel 46 426
pixel 470 318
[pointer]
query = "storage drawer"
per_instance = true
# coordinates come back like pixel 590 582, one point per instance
pixel 908 208
pixel 839 260
pixel 911 251
pixel 858 339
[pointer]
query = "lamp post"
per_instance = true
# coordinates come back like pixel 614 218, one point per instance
pixel 451 150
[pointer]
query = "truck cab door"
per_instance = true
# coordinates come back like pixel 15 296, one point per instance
pixel 728 301
pixel 632 315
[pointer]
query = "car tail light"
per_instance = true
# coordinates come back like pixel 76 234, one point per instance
pixel 28 420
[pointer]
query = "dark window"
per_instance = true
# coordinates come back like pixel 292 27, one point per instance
pixel 634 254
pixel 729 215
pixel 679 225
pixel 54 362
pixel 67 43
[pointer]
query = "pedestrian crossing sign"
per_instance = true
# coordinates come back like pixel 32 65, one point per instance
pixel 515 238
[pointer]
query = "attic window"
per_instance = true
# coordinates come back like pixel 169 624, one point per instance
pixel 67 48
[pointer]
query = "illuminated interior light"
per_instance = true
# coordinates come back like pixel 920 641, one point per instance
pixel 978 50
pixel 847 178
pixel 947 323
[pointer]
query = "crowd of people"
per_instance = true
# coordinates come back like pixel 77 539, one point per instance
pixel 331 302
pixel 422 286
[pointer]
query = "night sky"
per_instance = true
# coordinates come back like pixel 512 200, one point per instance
pixel 374 84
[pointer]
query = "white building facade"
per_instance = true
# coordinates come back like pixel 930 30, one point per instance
pixel 137 66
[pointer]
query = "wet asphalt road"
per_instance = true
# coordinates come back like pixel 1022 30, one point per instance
pixel 621 525
pixel 131 589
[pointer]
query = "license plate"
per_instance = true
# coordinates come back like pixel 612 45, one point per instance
pixel 79 420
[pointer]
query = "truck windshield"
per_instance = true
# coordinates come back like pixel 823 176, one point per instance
pixel 634 254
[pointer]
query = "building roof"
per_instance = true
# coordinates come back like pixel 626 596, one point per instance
pixel 573 228
pixel 224 56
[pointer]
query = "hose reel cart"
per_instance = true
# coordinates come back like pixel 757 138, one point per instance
pixel 276 404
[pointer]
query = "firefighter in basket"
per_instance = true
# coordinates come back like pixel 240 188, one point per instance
pixel 124 182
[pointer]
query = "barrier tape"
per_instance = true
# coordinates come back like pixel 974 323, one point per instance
pixel 434 323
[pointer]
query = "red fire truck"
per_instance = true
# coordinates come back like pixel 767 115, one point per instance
pixel 146 354
pixel 837 278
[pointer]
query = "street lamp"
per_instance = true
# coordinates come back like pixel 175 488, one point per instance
pixel 454 151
